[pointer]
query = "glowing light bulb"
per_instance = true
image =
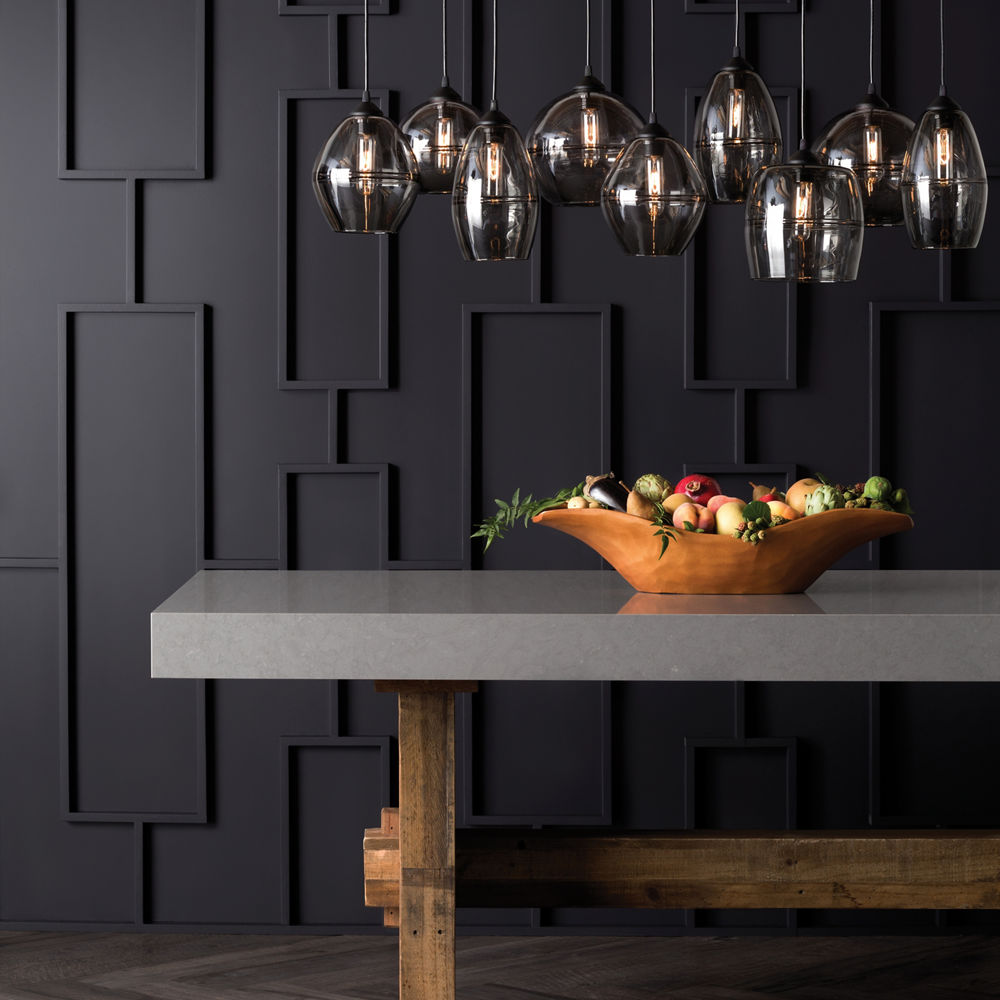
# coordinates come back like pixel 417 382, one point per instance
pixel 494 168
pixel 873 144
pixel 734 117
pixel 654 186
pixel 366 153
pixel 443 142
pixel 590 133
pixel 943 156
pixel 803 202
pixel 654 176
pixel 366 162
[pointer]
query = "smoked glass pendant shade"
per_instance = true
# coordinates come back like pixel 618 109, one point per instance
pixel 804 222
pixel 494 204
pixel 871 140
pixel 944 181
pixel 436 131
pixel 365 177
pixel 736 131
pixel 654 197
pixel 575 140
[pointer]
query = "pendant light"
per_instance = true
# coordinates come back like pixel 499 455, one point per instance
pixel 494 205
pixel 736 129
pixel 654 196
pixel 944 177
pixel 871 140
pixel 804 219
pixel 365 177
pixel 438 128
pixel 576 137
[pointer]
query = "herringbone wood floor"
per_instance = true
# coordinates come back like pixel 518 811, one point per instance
pixel 65 966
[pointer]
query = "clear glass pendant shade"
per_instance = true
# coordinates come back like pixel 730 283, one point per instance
pixel 574 142
pixel 654 197
pixel 870 140
pixel 736 131
pixel 944 181
pixel 436 131
pixel 495 200
pixel 365 177
pixel 804 222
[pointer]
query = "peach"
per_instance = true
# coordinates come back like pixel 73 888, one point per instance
pixel 779 509
pixel 696 515
pixel 716 502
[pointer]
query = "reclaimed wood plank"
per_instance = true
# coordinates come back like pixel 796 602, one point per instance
pixel 426 844
pixel 874 869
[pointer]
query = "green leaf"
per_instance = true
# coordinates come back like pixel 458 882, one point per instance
pixel 755 509
pixel 519 509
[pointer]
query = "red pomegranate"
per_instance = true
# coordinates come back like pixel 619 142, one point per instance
pixel 699 488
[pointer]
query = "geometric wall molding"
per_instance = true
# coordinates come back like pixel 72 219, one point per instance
pixel 333 516
pixel 773 758
pixel 529 371
pixel 750 6
pixel 740 783
pixel 879 314
pixel 318 829
pixel 562 728
pixel 130 449
pixel 959 342
pixel 313 7
pixel 161 51
pixel 753 341
pixel 135 439
pixel 327 339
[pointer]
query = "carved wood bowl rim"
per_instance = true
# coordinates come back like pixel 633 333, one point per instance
pixel 791 557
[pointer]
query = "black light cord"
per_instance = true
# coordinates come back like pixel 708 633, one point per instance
pixel 871 46
pixel 943 90
pixel 587 71
pixel 367 96
pixel 652 64
pixel 802 77
pixel 493 99
pixel 444 43
pixel 736 31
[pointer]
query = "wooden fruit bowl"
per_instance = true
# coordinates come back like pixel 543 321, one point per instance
pixel 789 559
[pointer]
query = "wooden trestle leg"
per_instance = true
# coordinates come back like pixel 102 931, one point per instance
pixel 426 838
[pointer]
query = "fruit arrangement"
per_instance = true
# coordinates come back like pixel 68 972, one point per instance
pixel 697 504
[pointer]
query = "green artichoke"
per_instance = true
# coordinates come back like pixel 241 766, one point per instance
pixel 653 487
pixel 824 498
pixel 878 488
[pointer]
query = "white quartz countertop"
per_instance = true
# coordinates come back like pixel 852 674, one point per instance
pixel 899 625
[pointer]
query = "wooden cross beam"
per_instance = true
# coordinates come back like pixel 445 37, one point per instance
pixel 865 869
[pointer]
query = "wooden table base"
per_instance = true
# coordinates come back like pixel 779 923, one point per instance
pixel 411 860
pixel 425 834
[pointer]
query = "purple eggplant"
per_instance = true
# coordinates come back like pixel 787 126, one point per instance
pixel 608 490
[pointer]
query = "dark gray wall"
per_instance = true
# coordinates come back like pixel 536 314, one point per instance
pixel 194 371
